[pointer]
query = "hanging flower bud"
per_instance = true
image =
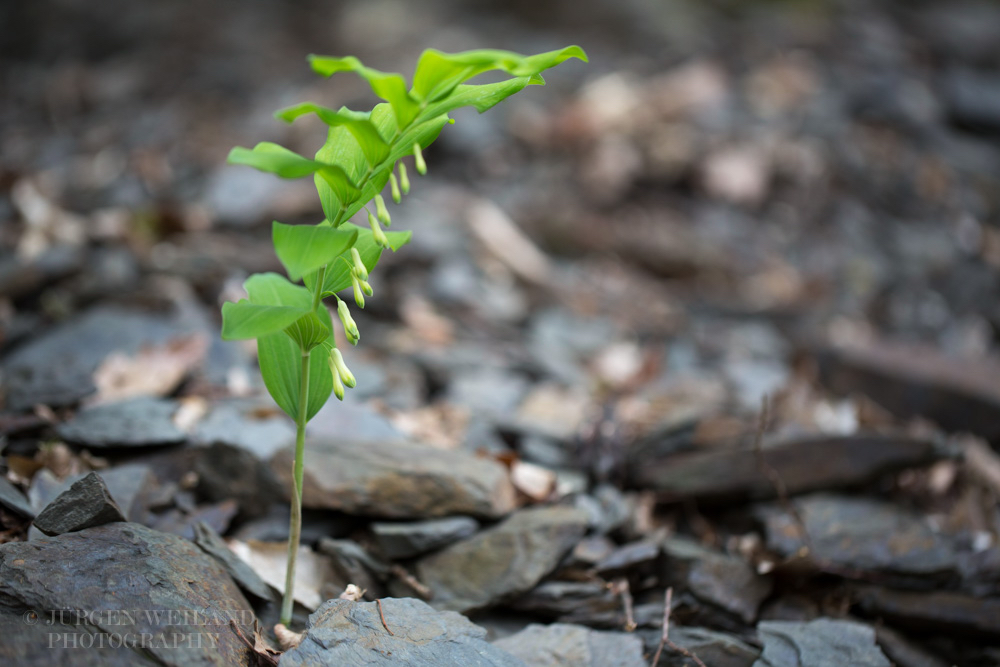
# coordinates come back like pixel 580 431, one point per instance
pixel 383 212
pixel 377 234
pixel 366 287
pixel 337 362
pixel 350 326
pixel 359 298
pixel 338 385
pixel 394 187
pixel 359 266
pixel 418 159
pixel 404 180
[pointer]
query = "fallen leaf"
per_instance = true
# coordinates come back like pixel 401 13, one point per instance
pixel 153 371
pixel 313 571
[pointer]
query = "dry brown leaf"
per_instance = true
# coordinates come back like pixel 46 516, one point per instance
pixel 534 481
pixel 153 371
pixel 313 571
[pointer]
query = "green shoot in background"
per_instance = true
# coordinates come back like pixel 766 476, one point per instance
pixel 299 360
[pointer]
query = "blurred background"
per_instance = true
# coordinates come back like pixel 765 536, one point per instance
pixel 732 200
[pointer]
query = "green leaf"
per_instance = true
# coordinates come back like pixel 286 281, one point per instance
pixel 281 367
pixel 303 249
pixel 243 320
pixel 338 273
pixel 272 289
pixel 274 159
pixel 274 304
pixel 437 73
pixel 389 86
pixel 357 123
pixel 308 331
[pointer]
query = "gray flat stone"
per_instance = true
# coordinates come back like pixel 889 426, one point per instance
pixel 505 560
pixel 14 500
pixel 398 480
pixel 728 582
pixel 131 486
pixel 713 648
pixel 861 534
pixel 139 422
pixel 87 503
pixel 249 581
pixel 350 634
pixel 116 583
pixel 57 367
pixel 821 643
pixel 413 538
pixel 564 645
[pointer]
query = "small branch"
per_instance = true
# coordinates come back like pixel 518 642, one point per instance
pixel 665 639
pixel 774 476
pixel 621 587
pixel 382 616
pixel 419 588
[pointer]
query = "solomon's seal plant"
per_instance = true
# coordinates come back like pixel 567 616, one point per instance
pixel 363 153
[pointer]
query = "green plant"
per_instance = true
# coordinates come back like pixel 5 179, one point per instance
pixel 299 359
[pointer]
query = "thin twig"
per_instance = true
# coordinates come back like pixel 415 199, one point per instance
pixel 382 616
pixel 774 476
pixel 620 587
pixel 665 639
pixel 419 588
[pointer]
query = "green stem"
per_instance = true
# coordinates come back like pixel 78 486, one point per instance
pixel 295 529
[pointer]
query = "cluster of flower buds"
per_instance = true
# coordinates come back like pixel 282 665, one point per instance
pixel 359 281
pixel 342 375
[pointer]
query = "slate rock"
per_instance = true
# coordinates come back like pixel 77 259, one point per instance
pixel 717 649
pixel 804 465
pixel 212 544
pixel 938 612
pixel 14 500
pixel 398 480
pixel 554 599
pixel 228 472
pixel 507 559
pixel 728 582
pixel 85 504
pixel 138 422
pixel 353 563
pixel 413 538
pixel 131 486
pixel 918 381
pixel 861 534
pixel 236 423
pixel 824 642
pixel 565 645
pixel 110 582
pixel 342 633
pixel 57 368
pixel 641 555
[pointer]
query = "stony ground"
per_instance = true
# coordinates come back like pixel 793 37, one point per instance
pixel 703 333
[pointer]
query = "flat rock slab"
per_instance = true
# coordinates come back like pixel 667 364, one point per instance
pixel 139 422
pixel 821 643
pixel 728 582
pixel 939 612
pixel 14 500
pixel 111 588
pixel 212 544
pixel 87 503
pixel 803 465
pixel 565 645
pixel 505 560
pixel 342 633
pixel 861 534
pixel 413 538
pixel 57 368
pixel 398 480
pixel 717 649
pixel 915 380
